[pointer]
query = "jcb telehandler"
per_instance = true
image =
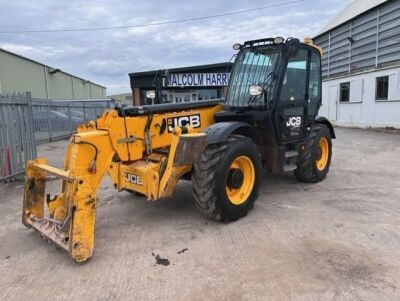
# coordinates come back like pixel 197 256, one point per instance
pixel 267 121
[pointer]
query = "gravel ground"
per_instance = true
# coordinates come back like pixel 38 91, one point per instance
pixel 335 240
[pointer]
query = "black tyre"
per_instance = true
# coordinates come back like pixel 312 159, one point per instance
pixel 227 179
pixel 314 160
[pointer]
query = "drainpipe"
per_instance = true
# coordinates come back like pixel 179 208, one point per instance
pixel 72 85
pixel 46 82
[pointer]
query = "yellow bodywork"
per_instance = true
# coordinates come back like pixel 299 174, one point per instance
pixel 149 162
pixel 310 42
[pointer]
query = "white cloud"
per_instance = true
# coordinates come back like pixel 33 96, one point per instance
pixel 108 56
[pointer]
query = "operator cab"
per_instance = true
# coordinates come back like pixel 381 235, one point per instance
pixel 276 86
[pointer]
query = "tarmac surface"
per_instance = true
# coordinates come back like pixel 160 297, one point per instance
pixel 335 240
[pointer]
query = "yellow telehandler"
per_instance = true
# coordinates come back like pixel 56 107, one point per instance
pixel 267 121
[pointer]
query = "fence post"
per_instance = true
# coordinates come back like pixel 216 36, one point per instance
pixel 70 118
pixel 2 135
pixel 84 112
pixel 10 129
pixel 31 126
pixel 19 131
pixel 48 120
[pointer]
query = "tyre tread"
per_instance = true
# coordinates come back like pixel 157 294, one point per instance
pixel 204 178
pixel 306 170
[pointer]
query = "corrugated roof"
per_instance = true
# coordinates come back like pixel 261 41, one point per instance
pixel 351 11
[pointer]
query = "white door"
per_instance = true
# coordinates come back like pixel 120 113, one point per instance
pixel 333 102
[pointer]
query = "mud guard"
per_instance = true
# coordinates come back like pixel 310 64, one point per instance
pixel 220 131
pixel 324 120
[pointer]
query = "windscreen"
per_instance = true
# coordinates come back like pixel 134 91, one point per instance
pixel 252 67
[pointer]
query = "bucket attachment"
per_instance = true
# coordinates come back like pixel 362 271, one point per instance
pixel 66 220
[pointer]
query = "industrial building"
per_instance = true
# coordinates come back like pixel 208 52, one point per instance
pixel 184 84
pixel 21 74
pixel 123 98
pixel 361 65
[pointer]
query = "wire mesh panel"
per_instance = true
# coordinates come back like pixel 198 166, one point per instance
pixel 17 143
pixel 24 122
pixel 55 119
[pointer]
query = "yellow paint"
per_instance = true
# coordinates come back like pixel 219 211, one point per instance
pixel 135 127
pixel 146 172
pixel 115 146
pixel 173 173
pixel 310 42
pixel 240 195
pixel 321 162
pixel 34 190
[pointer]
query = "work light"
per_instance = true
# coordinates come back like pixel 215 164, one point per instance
pixel 236 46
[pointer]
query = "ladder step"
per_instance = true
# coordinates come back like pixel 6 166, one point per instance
pixel 290 154
pixel 291 167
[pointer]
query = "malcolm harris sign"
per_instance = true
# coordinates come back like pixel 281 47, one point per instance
pixel 197 79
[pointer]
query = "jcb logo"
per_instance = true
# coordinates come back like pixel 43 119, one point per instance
pixel 191 120
pixel 294 122
pixel 135 179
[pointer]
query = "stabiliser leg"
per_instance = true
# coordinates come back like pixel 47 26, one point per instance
pixel 68 219
pixel 55 225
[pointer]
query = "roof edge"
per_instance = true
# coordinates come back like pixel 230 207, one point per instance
pixel 215 65
pixel 332 25
pixel 44 65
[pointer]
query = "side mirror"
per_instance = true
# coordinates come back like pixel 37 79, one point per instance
pixel 151 94
pixel 256 90
pixel 292 47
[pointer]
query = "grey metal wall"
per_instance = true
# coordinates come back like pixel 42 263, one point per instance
pixel 371 40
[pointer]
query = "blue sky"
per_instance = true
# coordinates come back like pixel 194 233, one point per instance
pixel 106 57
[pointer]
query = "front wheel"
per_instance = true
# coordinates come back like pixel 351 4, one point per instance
pixel 315 158
pixel 227 179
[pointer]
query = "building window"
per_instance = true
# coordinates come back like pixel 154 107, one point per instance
pixel 382 88
pixel 345 92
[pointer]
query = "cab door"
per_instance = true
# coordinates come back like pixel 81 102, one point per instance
pixel 291 109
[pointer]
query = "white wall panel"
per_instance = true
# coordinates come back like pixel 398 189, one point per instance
pixel 367 112
pixel 356 90
pixel 394 86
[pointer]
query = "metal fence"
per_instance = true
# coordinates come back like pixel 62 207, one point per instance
pixel 59 119
pixel 17 140
pixel 25 122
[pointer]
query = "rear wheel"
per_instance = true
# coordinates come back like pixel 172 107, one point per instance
pixel 227 179
pixel 315 159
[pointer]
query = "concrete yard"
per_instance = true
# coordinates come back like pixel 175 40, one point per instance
pixel 336 240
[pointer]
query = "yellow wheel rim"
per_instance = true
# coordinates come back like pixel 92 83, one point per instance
pixel 239 195
pixel 322 159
